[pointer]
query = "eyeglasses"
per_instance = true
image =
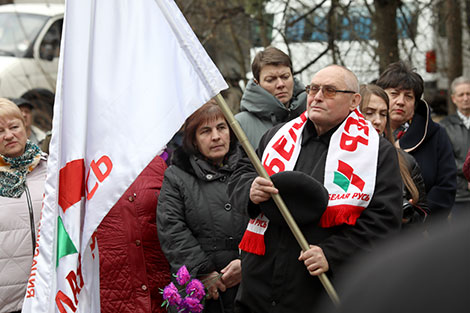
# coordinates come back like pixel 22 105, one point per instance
pixel 328 91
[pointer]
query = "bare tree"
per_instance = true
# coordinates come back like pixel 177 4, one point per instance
pixel 454 40
pixel 332 30
pixel 256 9
pixel 467 14
pixel 223 27
pixel 385 21
pixel 316 31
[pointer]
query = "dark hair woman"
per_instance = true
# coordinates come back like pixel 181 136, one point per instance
pixel 375 108
pixel 22 175
pixel 416 133
pixel 197 225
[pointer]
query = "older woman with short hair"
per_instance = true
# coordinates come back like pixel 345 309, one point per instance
pixel 22 176
pixel 197 225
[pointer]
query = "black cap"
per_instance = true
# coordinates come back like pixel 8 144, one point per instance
pixel 305 197
pixel 22 102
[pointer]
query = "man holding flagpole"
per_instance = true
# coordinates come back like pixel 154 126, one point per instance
pixel 335 147
pixel 122 92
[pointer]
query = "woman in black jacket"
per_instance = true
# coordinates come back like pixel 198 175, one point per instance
pixel 375 108
pixel 197 225
pixel 416 133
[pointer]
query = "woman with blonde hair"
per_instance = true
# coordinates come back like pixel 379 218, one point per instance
pixel 375 108
pixel 22 175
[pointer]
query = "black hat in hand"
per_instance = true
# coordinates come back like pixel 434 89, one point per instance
pixel 305 197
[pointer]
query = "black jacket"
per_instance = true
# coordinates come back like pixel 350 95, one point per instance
pixel 197 224
pixel 402 277
pixel 416 214
pixel 277 281
pixel 429 144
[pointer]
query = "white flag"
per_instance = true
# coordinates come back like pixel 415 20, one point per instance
pixel 130 72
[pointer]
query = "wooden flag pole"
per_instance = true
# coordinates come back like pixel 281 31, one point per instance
pixel 276 197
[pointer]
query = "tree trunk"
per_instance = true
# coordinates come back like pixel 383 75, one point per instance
pixel 454 43
pixel 467 14
pixel 332 31
pixel 5 2
pixel 386 33
pixel 263 28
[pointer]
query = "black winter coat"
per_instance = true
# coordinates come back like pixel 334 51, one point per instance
pixel 277 282
pixel 429 144
pixel 197 225
pixel 416 214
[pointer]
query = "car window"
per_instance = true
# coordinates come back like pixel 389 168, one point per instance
pixel 18 31
pixel 50 45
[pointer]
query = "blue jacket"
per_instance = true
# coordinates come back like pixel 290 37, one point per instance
pixel 429 144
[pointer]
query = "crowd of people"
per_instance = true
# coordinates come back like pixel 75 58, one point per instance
pixel 358 165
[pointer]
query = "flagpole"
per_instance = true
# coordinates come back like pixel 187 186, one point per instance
pixel 276 197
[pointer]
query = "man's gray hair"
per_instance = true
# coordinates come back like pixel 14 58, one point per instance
pixel 458 81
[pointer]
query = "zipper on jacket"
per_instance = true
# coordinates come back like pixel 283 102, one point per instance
pixel 31 217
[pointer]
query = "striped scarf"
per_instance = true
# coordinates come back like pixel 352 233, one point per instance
pixel 350 171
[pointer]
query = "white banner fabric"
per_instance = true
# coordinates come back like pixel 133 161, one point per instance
pixel 130 72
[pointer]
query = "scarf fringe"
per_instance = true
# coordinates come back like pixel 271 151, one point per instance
pixel 340 214
pixel 253 243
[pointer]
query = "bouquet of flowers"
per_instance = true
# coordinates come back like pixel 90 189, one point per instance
pixel 190 298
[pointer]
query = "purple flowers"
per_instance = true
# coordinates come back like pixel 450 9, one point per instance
pixel 182 276
pixel 195 289
pixel 171 294
pixel 186 300
pixel 192 305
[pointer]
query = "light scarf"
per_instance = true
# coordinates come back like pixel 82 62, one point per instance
pixel 350 171
pixel 13 171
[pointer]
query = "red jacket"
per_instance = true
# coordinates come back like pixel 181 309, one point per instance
pixel 132 265
pixel 466 166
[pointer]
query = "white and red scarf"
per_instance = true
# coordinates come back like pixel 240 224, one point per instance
pixel 350 171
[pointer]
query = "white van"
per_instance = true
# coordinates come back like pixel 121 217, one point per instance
pixel 30 37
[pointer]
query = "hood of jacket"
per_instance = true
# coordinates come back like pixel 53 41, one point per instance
pixel 421 128
pixel 264 105
pixel 201 168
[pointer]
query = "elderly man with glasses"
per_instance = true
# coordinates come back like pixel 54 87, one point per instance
pixel 333 144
